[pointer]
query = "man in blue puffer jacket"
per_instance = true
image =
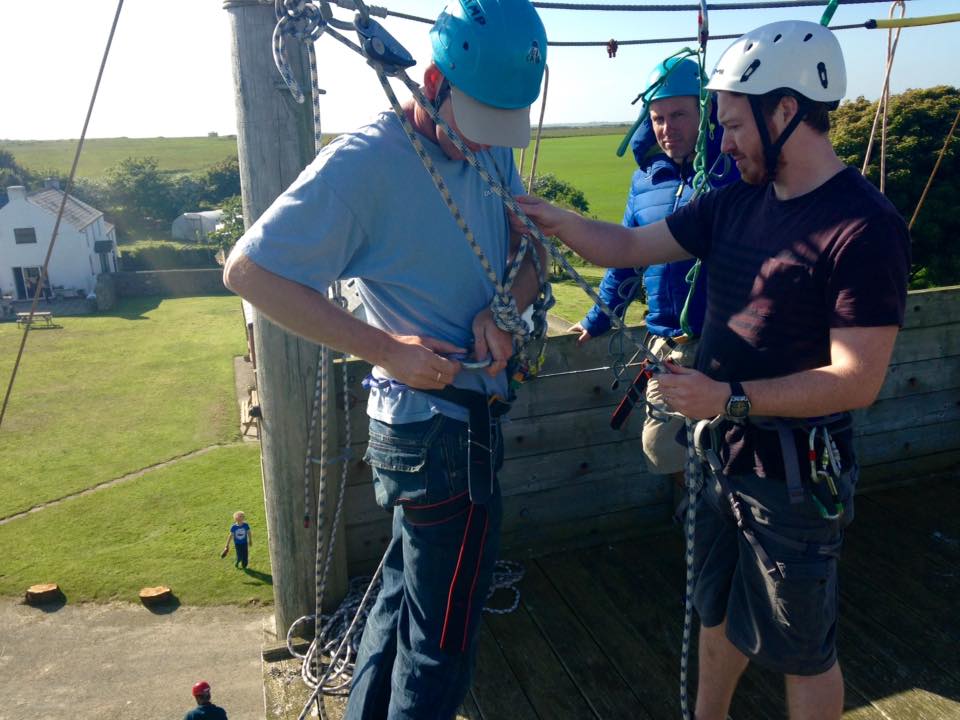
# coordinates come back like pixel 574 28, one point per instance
pixel 663 183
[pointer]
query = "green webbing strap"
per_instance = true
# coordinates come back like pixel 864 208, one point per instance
pixel 701 177
pixel 691 279
pixel 828 13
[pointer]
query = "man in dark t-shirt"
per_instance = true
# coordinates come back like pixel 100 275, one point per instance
pixel 807 272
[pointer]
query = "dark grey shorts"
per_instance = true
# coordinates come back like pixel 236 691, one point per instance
pixel 787 624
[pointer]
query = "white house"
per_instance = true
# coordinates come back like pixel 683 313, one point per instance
pixel 86 243
pixel 195 226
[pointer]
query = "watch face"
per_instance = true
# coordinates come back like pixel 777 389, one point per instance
pixel 738 406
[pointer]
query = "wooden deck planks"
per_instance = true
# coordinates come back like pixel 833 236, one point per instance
pixel 598 631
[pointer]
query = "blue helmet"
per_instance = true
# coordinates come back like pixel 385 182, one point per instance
pixel 681 77
pixel 492 50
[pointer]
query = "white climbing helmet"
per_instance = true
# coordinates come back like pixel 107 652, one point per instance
pixel 797 55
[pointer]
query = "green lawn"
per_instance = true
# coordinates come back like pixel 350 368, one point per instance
pixel 105 395
pixel 165 528
pixel 590 164
pixel 183 154
pixel 573 303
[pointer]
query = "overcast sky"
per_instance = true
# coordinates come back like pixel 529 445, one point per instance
pixel 169 71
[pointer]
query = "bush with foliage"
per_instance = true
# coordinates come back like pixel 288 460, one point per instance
pixel 562 193
pixel 167 256
pixel 917 125
pixel 231 225
pixel 11 173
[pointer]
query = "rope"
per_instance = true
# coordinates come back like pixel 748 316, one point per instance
pixel 693 482
pixel 536 144
pixel 883 102
pixel 683 8
pixel 926 189
pixel 63 203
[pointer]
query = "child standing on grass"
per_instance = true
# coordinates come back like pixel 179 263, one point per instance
pixel 240 534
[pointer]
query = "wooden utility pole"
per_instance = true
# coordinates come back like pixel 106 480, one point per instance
pixel 275 142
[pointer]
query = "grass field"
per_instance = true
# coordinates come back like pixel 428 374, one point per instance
pixel 105 395
pixel 165 528
pixel 590 164
pixel 175 155
pixel 583 156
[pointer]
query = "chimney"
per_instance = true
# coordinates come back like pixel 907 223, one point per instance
pixel 51 184
pixel 16 192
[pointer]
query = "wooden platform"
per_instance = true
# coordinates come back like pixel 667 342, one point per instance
pixel 597 634
pixel 598 631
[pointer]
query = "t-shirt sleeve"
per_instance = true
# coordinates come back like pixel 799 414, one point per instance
pixel 308 235
pixel 868 283
pixel 692 225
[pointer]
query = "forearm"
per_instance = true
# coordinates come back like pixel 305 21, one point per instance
pixel 858 365
pixel 610 245
pixel 811 393
pixel 304 311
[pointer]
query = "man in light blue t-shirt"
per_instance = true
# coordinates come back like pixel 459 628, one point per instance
pixel 366 208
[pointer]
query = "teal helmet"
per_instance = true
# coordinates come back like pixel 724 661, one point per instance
pixel 680 77
pixel 674 77
pixel 493 52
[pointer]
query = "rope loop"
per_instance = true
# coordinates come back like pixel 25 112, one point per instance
pixel 507 316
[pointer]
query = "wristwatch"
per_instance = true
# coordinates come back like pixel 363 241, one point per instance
pixel 738 404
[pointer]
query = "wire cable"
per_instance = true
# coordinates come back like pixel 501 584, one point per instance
pixel 685 8
pixel 63 204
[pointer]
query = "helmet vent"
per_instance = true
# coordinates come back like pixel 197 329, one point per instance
pixel 748 47
pixel 751 69
pixel 777 38
pixel 466 45
pixel 807 37
pixel 822 72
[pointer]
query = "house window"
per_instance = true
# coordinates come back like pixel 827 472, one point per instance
pixel 24 236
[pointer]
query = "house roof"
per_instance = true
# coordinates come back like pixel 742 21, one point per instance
pixel 77 213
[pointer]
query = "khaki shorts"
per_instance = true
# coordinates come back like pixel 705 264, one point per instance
pixel 665 455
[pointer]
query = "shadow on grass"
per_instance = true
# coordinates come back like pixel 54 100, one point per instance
pixel 51 606
pixel 164 608
pixel 133 308
pixel 262 577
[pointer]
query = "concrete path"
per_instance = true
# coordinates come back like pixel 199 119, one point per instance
pixel 122 661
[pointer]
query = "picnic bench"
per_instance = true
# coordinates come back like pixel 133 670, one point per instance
pixel 46 317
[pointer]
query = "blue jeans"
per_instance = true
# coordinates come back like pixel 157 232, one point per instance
pixel 401 671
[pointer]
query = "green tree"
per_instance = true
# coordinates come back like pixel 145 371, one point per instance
pixel 138 186
pixel 220 182
pixel 11 173
pixel 231 225
pixel 562 193
pixel 917 125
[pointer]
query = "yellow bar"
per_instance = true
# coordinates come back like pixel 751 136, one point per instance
pixel 913 22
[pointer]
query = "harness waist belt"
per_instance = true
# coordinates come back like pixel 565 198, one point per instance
pixel 482 411
pixel 784 427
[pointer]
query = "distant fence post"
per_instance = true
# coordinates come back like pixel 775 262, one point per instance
pixel 275 142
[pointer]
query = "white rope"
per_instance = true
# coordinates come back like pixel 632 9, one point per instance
pixel 882 103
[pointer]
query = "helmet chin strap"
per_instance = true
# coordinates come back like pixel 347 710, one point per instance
pixel 443 92
pixel 771 150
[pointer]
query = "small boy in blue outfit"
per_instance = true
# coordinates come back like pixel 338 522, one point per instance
pixel 242 539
